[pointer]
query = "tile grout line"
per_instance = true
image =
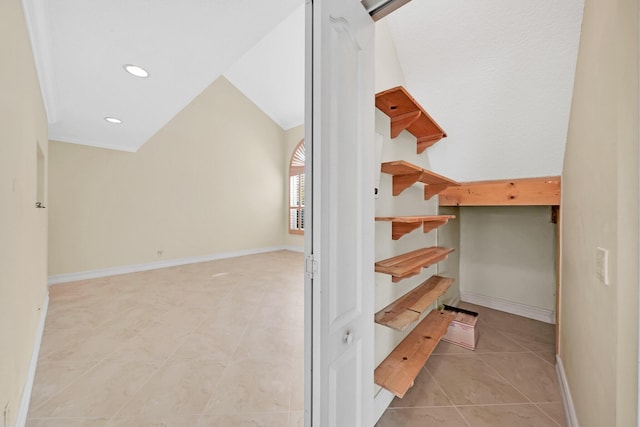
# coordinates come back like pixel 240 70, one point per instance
pixel 242 335
pixel 91 367
pixel 144 383
pixel 547 415
pixel 447 396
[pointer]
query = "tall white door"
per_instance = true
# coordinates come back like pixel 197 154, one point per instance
pixel 340 146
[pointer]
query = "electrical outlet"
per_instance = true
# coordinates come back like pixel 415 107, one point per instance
pixel 602 265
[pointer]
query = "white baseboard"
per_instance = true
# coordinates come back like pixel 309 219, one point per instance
pixel 113 271
pixel 569 409
pixel 294 248
pixel 380 403
pixel 547 316
pixel 31 374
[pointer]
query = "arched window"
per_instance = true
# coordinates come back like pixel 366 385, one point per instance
pixel 296 190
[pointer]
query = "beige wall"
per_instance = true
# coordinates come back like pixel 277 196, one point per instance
pixel 449 236
pixel 291 139
pixel 23 228
pixel 600 209
pixel 210 181
pixel 509 253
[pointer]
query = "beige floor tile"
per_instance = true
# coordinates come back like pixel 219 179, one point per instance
pixel 537 339
pixel 82 344
pixel 217 343
pixel 286 315
pixel 489 341
pixel 425 392
pixel 296 419
pixel 265 419
pixel 52 377
pixel 155 421
pixel 99 392
pixel 548 356
pixel 179 388
pixel 253 385
pixel 296 402
pixel 506 416
pixel 66 422
pixel 73 317
pixel 532 376
pixel 466 380
pixel 555 411
pixel 157 343
pixel 422 417
pixel 267 343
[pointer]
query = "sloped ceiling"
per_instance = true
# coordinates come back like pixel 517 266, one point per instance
pixel 497 75
pixel 81 47
pixel 271 74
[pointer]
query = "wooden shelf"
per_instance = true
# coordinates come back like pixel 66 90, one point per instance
pixel 406 174
pixel 401 225
pixel 543 191
pixel 398 371
pixel 409 264
pixel 407 309
pixel 406 113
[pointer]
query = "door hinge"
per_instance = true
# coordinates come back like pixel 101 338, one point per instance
pixel 311 267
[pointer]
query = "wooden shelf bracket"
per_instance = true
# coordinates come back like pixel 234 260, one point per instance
pixel 406 114
pixel 401 225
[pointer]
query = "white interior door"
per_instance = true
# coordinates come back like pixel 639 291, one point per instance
pixel 340 146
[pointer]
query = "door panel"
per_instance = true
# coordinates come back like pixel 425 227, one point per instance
pixel 340 102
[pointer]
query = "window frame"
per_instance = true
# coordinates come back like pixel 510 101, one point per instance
pixel 296 168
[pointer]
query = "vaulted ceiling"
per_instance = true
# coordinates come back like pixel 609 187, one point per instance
pixel 497 75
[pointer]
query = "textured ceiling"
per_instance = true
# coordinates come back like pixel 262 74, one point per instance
pixel 81 46
pixel 497 75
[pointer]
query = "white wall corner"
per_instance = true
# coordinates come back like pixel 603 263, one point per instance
pixel 36 14
pixel 455 301
pixel 569 410
pixel 31 374
pixel 381 402
pixel 547 316
pixel 125 269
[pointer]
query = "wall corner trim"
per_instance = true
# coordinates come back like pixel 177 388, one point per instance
pixel 569 409
pixel 31 374
pixel 113 271
pixel 547 316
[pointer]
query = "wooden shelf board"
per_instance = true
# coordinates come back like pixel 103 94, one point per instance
pixel 401 225
pixel 544 191
pixel 398 371
pixel 411 263
pixel 407 114
pixel 408 308
pixel 406 174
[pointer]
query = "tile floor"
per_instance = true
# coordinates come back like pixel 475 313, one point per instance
pixel 508 381
pixel 211 344
pixel 221 344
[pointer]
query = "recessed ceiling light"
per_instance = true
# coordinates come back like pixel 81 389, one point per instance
pixel 135 70
pixel 113 120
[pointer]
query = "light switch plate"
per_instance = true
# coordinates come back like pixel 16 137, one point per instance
pixel 602 265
